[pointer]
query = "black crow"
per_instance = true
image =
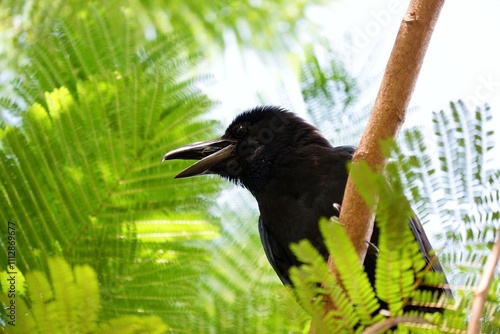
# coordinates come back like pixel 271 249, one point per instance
pixel 295 175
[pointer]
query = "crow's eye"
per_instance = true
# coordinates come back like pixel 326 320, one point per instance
pixel 240 130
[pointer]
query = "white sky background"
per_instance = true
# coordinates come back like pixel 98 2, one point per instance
pixel 462 62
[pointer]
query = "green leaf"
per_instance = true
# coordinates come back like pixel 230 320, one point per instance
pixel 354 279
pixel 82 172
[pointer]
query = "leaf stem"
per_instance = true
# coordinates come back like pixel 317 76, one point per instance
pixel 482 288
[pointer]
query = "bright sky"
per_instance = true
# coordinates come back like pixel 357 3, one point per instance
pixel 462 62
pixel 463 59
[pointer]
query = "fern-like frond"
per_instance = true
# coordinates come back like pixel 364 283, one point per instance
pixel 325 85
pixel 399 261
pixel 68 300
pixel 454 182
pixel 82 175
pixel 462 192
pixel 354 278
pixel 315 286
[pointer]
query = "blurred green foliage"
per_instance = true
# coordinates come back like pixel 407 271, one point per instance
pixel 94 93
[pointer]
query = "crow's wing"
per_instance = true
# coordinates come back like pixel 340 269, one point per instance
pixel 278 256
pixel 424 244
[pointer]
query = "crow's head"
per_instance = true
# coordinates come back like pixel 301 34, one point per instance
pixel 257 142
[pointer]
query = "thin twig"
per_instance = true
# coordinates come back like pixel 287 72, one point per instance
pixel 482 288
pixel 391 322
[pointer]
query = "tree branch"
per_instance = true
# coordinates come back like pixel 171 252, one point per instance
pixel 391 322
pixel 482 288
pixel 389 111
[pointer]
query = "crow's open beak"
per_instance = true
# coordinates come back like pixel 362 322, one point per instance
pixel 209 153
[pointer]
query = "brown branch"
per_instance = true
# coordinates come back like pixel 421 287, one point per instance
pixel 391 322
pixel 388 113
pixel 481 291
